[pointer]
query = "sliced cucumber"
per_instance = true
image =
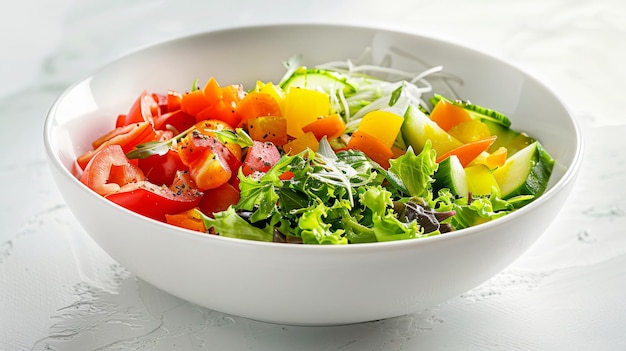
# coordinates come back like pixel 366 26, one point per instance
pixel 451 175
pixel 512 140
pixel 475 111
pixel 525 173
pixel 317 79
pixel 417 128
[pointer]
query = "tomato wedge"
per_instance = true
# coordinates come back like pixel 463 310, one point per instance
pixel 218 199
pixel 156 201
pixel 162 169
pixel 261 157
pixel 109 170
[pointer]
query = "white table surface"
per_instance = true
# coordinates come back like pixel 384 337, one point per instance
pixel 60 291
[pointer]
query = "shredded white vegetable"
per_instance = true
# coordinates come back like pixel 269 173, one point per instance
pixel 376 83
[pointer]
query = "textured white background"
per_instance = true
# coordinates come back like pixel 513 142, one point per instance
pixel 59 291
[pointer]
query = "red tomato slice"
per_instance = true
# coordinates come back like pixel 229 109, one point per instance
pixel 261 157
pixel 109 170
pixel 210 170
pixel 218 199
pixel 156 201
pixel 202 143
pixel 162 169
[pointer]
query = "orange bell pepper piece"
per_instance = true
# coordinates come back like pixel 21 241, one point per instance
pixel 190 219
pixel 468 152
pixel 331 126
pixel 301 143
pixel 372 147
pixel 447 115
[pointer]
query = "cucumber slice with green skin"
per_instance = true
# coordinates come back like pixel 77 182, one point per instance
pixel 417 128
pixel 475 111
pixel 451 175
pixel 525 173
pixel 317 79
pixel 512 140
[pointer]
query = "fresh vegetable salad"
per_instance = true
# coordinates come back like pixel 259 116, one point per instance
pixel 326 155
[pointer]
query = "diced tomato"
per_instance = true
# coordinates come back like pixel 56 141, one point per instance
pixel 211 163
pixel 218 199
pixel 210 170
pixel 162 169
pixel 156 201
pixel 109 170
pixel 261 157
pixel 127 137
pixel 202 138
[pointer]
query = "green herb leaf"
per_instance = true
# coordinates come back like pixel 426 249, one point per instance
pixel 148 149
pixel 239 136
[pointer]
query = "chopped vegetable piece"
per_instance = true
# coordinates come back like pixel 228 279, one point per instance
pixel 382 125
pixel 303 106
pixel 468 152
pixel 331 127
pixel 269 128
pixel 190 219
pixel 372 147
pixel 448 115
pixel 301 143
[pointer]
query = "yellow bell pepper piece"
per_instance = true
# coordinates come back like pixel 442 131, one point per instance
pixel 470 131
pixel 480 180
pixel 275 91
pixel 382 125
pixel 303 106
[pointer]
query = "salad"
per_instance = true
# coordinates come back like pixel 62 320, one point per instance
pixel 334 154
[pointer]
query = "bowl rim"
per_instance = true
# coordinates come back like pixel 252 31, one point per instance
pixel 568 176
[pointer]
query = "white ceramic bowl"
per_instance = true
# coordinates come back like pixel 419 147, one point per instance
pixel 298 284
